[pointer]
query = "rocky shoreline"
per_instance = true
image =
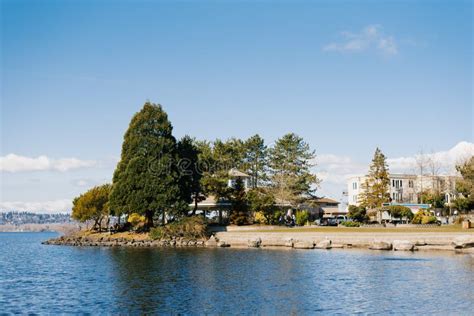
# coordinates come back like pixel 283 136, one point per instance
pixel 463 243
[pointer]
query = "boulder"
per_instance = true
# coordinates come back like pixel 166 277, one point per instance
pixel 211 242
pixel 380 245
pixel 465 241
pixel 403 245
pixel 324 244
pixel 303 245
pixel 254 243
pixel 223 244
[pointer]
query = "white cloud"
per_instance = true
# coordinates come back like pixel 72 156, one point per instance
pixel 16 163
pixel 57 206
pixel 334 169
pixel 370 37
pixel 446 160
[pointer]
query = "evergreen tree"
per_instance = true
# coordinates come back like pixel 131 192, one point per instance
pixel 146 180
pixel 239 213
pixel 465 186
pixel 377 184
pixel 290 161
pixel 190 175
pixel 256 154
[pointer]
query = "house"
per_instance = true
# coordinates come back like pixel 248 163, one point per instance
pixel 406 188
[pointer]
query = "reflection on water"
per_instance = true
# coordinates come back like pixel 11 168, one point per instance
pixel 37 279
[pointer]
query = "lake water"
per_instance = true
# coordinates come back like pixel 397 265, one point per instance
pixel 37 278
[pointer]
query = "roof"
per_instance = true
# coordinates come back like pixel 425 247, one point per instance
pixel 326 200
pixel 236 173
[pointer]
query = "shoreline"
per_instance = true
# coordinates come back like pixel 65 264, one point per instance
pixel 460 242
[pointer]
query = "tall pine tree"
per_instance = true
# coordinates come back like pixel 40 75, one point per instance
pixel 146 180
pixel 377 183
pixel 291 160
pixel 256 157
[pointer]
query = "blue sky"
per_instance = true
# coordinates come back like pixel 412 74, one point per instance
pixel 347 76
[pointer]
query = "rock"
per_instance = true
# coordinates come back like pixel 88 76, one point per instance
pixel 255 243
pixel 324 244
pixel 223 244
pixel 403 245
pixel 464 241
pixel 380 245
pixel 303 245
pixel 211 242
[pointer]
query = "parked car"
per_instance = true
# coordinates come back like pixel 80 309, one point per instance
pixel 331 221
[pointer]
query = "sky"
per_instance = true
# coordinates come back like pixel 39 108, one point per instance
pixel 347 76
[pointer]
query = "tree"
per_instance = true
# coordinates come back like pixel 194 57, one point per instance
pixel 146 180
pixel 190 175
pixel 377 183
pixel 256 155
pixel 239 213
pixel 261 200
pixel 92 205
pixel 358 213
pixel 291 160
pixel 465 186
pixel 399 211
pixel 422 162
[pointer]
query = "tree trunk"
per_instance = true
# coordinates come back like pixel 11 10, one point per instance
pixel 195 204
pixel 163 222
pixel 149 219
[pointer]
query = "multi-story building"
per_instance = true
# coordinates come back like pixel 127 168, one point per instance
pixel 406 188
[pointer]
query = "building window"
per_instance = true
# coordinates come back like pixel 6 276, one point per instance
pixel 393 196
pixel 354 198
pixel 354 185
pixel 393 183
pixel 410 183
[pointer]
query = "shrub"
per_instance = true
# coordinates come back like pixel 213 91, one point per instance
pixel 350 224
pixel 302 217
pixel 424 217
pixel 156 233
pixel 428 220
pixel 136 220
pixel 399 211
pixel 189 227
pixel 358 213
pixel 260 218
pixel 276 216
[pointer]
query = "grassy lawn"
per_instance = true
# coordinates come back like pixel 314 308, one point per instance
pixel 439 229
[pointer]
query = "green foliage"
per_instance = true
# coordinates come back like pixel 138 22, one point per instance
pixel 262 201
pixel 190 176
pixel 92 205
pixel 435 199
pixel 302 217
pixel 290 161
pixel 146 180
pixel 276 216
pixel 358 213
pixel 465 186
pixel 377 183
pixel 239 214
pixel 256 156
pixel 194 227
pixel 350 224
pixel 399 211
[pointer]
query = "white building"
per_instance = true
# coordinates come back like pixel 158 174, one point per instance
pixel 405 188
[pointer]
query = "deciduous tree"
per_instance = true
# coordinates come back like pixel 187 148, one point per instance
pixel 92 205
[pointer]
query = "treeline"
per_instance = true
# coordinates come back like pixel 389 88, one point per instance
pixel 159 176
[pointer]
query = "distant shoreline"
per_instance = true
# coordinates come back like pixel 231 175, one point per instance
pixel 62 228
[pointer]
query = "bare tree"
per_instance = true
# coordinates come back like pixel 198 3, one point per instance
pixel 434 167
pixel 422 162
